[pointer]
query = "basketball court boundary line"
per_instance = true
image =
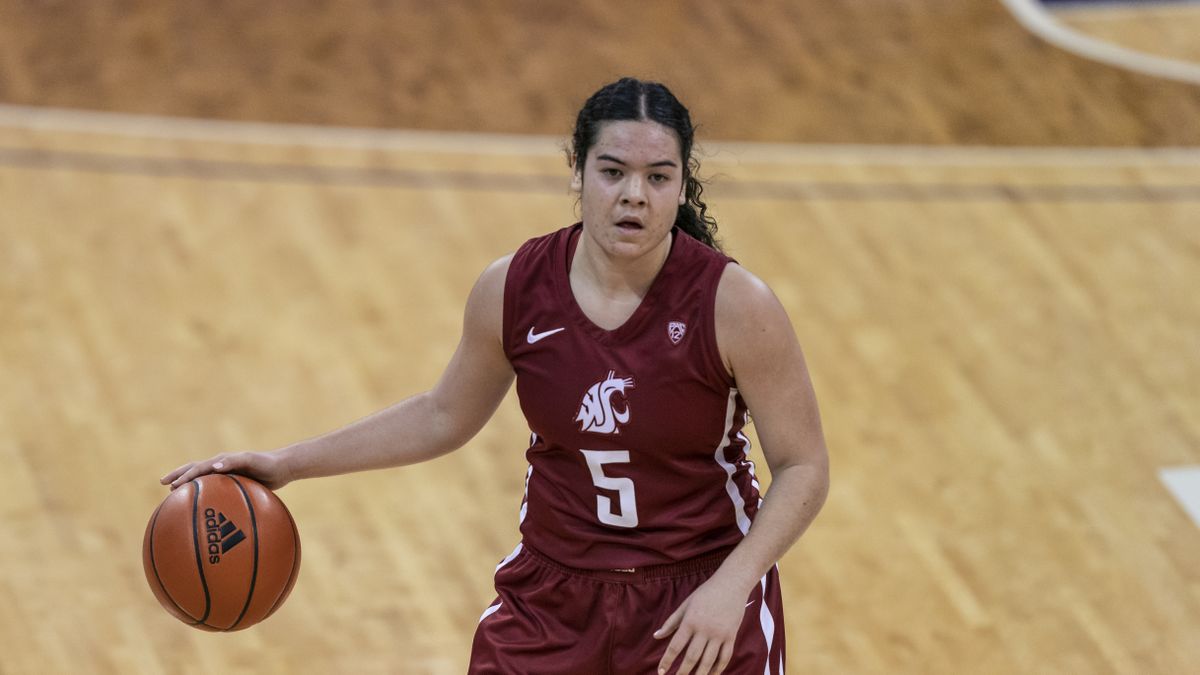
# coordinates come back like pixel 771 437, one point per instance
pixel 1037 20
pixel 1183 482
pixel 161 127
pixel 365 176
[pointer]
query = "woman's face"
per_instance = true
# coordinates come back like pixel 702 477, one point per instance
pixel 631 186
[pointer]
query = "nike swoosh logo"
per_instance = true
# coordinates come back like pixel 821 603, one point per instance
pixel 534 337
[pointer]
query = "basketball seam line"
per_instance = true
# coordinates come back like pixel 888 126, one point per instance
pixel 254 572
pixel 154 567
pixel 295 564
pixel 199 563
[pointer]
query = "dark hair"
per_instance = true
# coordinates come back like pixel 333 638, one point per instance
pixel 633 99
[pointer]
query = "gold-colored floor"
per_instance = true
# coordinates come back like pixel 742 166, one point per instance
pixel 1004 345
pixel 941 72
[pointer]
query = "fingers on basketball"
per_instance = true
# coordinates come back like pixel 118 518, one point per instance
pixel 222 463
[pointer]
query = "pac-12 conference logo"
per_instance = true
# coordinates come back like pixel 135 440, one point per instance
pixel 676 331
pixel 597 412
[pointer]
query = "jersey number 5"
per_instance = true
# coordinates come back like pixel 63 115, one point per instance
pixel 627 517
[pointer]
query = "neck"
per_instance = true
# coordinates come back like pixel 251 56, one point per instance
pixel 616 276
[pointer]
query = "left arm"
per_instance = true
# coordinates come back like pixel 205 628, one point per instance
pixel 760 348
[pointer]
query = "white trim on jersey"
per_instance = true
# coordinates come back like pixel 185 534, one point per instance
pixel 510 556
pixel 739 504
pixel 490 611
pixel 525 499
pixel 768 625
pixel 753 473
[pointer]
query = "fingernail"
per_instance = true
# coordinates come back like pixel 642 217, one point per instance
pixel 218 465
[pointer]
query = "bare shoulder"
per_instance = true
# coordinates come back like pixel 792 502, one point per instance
pixel 746 303
pixel 485 306
pixel 750 319
pixel 491 280
pixel 741 291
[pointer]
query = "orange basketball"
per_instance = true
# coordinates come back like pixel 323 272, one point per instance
pixel 221 553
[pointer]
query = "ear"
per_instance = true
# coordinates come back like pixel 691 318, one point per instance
pixel 683 195
pixel 577 181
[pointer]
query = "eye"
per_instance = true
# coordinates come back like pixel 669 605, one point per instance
pixel 610 172
pixel 659 178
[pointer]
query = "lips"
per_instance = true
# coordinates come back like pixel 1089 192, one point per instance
pixel 630 224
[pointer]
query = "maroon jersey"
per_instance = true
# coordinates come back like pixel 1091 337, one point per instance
pixel 637 455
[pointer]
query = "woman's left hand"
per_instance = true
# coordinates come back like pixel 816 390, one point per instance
pixel 705 625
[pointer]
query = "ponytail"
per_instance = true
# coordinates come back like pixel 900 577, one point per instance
pixel 693 218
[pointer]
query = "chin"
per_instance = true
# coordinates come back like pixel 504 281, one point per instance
pixel 635 242
pixel 629 243
pixel 623 248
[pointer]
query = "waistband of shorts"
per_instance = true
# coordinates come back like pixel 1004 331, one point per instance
pixel 684 568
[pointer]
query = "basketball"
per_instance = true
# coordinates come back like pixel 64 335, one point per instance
pixel 221 553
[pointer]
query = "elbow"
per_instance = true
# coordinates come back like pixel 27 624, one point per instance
pixel 813 474
pixel 446 426
pixel 821 478
pixel 821 488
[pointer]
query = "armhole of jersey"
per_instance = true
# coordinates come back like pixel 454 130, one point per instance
pixel 510 304
pixel 712 347
pixel 522 271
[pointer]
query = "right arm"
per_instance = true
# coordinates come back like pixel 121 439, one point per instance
pixel 418 428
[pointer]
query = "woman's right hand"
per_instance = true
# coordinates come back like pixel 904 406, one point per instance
pixel 267 468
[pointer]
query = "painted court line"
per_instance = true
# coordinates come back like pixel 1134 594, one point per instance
pixel 51 119
pixel 133 125
pixel 1184 483
pixel 316 174
pixel 1037 20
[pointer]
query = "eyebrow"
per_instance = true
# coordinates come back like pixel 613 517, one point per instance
pixel 665 162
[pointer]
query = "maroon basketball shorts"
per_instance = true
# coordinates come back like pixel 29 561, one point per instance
pixel 549 619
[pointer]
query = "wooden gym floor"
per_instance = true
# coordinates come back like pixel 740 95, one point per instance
pixel 1004 343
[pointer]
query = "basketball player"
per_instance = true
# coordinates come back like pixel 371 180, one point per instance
pixel 638 349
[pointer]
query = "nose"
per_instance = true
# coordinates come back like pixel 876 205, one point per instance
pixel 634 192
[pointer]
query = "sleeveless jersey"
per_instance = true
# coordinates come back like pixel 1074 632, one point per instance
pixel 636 455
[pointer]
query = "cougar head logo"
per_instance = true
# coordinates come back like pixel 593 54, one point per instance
pixel 596 411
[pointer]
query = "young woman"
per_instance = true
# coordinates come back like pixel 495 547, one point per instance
pixel 638 349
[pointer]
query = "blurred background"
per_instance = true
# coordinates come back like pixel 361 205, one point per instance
pixel 230 225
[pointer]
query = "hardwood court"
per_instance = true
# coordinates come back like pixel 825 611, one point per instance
pixel 854 71
pixel 1003 344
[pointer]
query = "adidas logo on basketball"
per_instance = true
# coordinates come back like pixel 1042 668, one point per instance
pixel 221 535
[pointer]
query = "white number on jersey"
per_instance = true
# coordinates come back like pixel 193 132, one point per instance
pixel 596 459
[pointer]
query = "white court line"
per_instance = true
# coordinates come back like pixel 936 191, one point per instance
pixel 1037 20
pixel 298 135
pixel 129 125
pixel 944 155
pixel 1184 483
